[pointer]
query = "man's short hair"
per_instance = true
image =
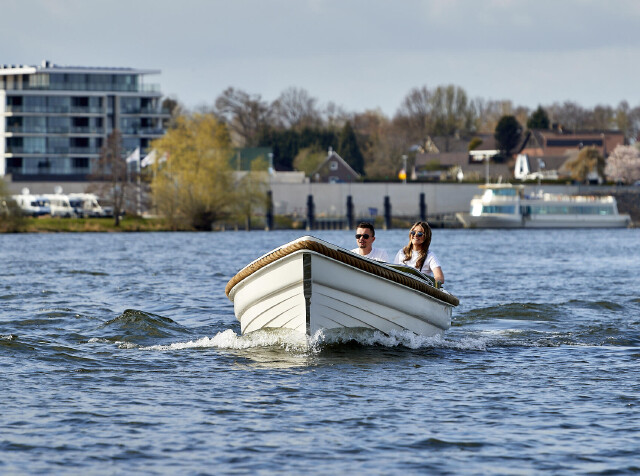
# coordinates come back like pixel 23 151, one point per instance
pixel 366 224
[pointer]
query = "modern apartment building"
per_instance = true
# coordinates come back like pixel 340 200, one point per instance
pixel 55 119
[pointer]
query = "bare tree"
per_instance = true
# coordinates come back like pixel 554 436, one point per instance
pixel 335 116
pixel 111 174
pixel 296 109
pixel 602 118
pixel 627 120
pixel 416 113
pixel 246 115
pixel 570 115
pixel 452 112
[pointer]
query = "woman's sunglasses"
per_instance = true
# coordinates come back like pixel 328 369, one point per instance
pixel 365 236
pixel 416 233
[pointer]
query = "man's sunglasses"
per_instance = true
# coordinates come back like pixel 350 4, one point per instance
pixel 417 233
pixel 365 236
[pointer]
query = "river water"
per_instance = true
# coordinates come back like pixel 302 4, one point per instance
pixel 120 353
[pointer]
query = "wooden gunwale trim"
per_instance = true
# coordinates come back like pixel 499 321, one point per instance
pixel 363 264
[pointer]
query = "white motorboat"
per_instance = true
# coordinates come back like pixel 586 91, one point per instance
pixel 309 285
pixel 507 206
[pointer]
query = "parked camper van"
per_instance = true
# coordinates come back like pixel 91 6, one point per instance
pixel 30 205
pixel 86 205
pixel 60 206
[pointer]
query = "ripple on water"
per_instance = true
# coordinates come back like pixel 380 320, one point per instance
pixel 136 327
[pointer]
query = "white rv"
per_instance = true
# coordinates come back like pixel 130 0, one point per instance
pixel 86 205
pixel 60 206
pixel 30 204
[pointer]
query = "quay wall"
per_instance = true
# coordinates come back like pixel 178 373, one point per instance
pixel 330 199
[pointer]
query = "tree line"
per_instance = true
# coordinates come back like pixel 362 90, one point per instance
pixel 299 129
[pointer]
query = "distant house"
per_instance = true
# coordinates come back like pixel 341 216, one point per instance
pixel 334 170
pixel 544 152
pixel 441 155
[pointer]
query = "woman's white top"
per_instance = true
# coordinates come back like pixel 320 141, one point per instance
pixel 430 263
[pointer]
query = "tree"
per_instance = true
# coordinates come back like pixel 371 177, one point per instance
pixel 507 134
pixel 415 114
pixel 349 150
pixel 295 109
pixel 623 165
pixel 446 111
pixel 539 119
pixel 174 108
pixel 586 161
pixel 11 216
pixel 569 115
pixel 309 159
pixel 112 174
pixel 250 190
pixel 451 112
pixel 193 186
pixel 246 116
pixel 602 118
pixel 474 143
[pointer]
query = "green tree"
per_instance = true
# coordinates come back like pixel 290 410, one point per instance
pixel 474 143
pixel 539 119
pixel 586 161
pixel 507 134
pixel 11 216
pixel 349 150
pixel 250 191
pixel 193 187
pixel 309 159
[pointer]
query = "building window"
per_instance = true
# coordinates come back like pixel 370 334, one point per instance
pixel 81 163
pixel 333 165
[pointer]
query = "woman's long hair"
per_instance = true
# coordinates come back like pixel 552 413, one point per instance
pixel 422 254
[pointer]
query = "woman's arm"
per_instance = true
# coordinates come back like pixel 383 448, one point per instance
pixel 438 275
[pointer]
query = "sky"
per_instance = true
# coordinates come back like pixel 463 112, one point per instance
pixel 359 54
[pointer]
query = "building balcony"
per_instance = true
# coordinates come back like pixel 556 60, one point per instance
pixel 54 130
pixel 142 131
pixel 53 151
pixel 55 110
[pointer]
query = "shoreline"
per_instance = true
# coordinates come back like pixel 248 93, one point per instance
pixel 139 224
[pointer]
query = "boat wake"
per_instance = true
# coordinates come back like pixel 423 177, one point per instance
pixel 295 342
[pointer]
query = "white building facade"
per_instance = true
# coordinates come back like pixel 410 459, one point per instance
pixel 54 119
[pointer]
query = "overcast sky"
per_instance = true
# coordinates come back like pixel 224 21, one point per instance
pixel 359 54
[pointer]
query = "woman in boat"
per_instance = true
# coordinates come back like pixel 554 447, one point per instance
pixel 418 254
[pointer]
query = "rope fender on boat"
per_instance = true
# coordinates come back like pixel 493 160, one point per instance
pixel 363 264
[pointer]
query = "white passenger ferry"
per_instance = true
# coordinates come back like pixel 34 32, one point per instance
pixel 507 206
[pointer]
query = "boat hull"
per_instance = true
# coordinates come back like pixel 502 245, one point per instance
pixel 543 221
pixel 307 291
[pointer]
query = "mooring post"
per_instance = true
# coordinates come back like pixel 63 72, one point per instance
pixel 387 212
pixel 310 213
pixel 269 214
pixel 423 208
pixel 350 223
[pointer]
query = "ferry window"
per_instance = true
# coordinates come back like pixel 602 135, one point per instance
pixel 488 209
pixel 504 192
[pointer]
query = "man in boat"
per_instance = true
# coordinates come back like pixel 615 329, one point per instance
pixel 365 236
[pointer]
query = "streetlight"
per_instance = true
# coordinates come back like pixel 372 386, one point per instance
pixel 404 169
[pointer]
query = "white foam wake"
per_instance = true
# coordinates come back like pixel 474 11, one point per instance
pixel 294 341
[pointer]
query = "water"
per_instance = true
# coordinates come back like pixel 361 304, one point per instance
pixel 120 353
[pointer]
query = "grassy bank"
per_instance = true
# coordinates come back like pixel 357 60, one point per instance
pixel 58 225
